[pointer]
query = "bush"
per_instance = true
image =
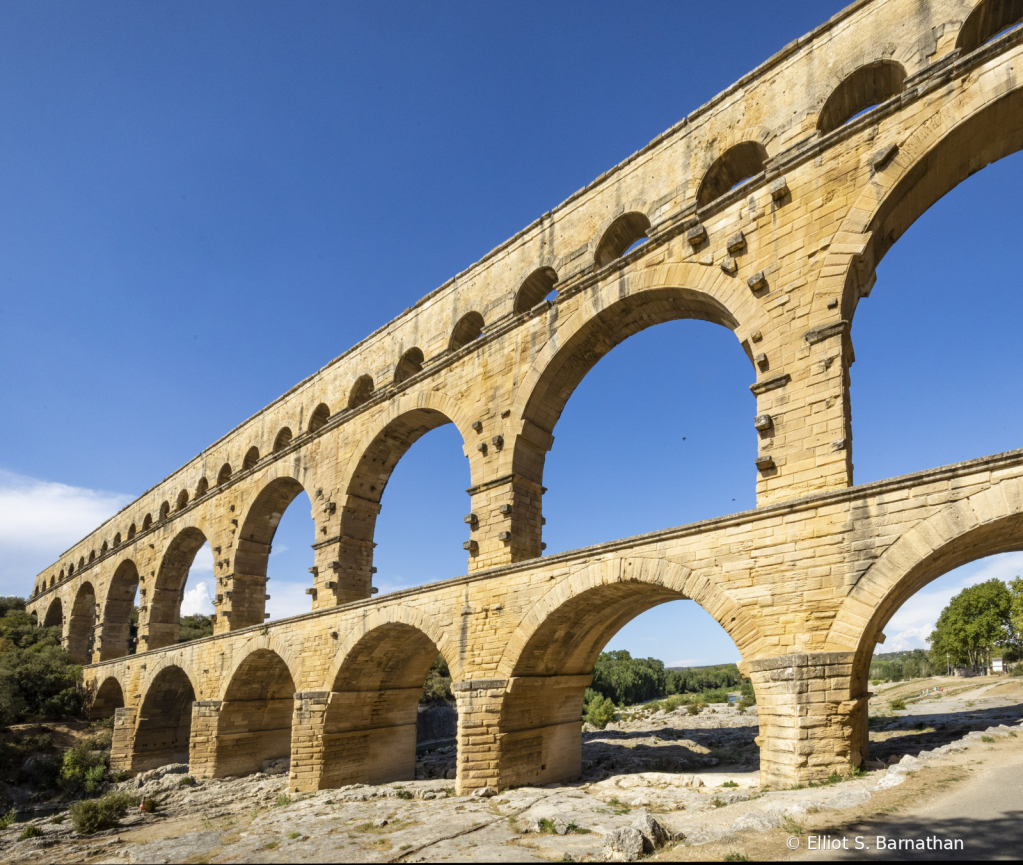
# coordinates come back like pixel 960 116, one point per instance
pixel 897 705
pixel 600 712
pixel 83 770
pixel 8 818
pixel 92 815
pixel 30 832
pixel 694 708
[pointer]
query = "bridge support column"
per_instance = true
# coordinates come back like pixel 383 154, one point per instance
pixel 353 737
pixel 811 724
pixel 508 515
pixel 203 741
pixel 524 730
pixel 240 601
pixel 111 641
pixel 122 741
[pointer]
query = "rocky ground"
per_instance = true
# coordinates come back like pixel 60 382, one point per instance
pixel 671 785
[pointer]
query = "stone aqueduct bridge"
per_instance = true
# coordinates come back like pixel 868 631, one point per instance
pixel 766 211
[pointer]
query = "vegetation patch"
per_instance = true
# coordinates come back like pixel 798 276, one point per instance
pixel 92 815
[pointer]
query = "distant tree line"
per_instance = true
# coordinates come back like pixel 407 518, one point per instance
pixel 627 681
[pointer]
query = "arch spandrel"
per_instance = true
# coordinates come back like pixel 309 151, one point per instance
pixel 651 581
pixel 719 299
pixel 179 660
pixel 265 643
pixel 984 524
pixel 396 614
pixel 433 400
pixel 895 197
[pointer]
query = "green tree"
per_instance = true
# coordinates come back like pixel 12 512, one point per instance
pixel 975 621
pixel 36 675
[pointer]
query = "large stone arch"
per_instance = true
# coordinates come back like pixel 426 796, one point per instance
pixel 984 524
pixel 274 643
pixel 164 724
pixel 395 614
pixel 981 525
pixel 610 314
pixel 393 432
pixel 370 714
pixel 115 639
pixel 252 547
pixel 549 659
pixel 109 697
pixel 164 597
pixel 978 126
pixel 639 584
pixel 254 719
pixel 54 617
pixel 81 624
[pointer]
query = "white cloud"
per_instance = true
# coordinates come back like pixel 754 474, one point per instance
pixel 691 662
pixel 39 520
pixel 202 562
pixel 912 624
pixel 197 599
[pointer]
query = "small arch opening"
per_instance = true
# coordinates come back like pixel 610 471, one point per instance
pixel 625 232
pixel 164 511
pixel 109 698
pixel 104 548
pixel 989 19
pixel 224 475
pixel 860 91
pixel 92 556
pixel 70 570
pixel 202 487
pixel 411 362
pixel 469 328
pixel 117 538
pixel 320 415
pixel 147 521
pixel 536 287
pixel 54 614
pixel 132 529
pixel 283 440
pixel 361 391
pixel 251 458
pixel 740 162
pixel 81 563
pixel 182 499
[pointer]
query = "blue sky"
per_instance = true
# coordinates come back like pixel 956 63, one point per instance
pixel 204 203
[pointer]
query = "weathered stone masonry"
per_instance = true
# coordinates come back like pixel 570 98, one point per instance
pixel 766 211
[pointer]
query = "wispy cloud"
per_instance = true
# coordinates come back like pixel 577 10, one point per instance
pixel 40 519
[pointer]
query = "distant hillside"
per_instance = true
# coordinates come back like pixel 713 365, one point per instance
pixel 708 667
pixel 899 656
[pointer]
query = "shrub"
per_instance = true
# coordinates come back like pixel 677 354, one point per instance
pixel 187 781
pixel 8 818
pixel 82 770
pixel 694 708
pixel 283 800
pixel 600 712
pixel 988 739
pixel 673 702
pixel 91 815
pixel 30 832
pixel 897 705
